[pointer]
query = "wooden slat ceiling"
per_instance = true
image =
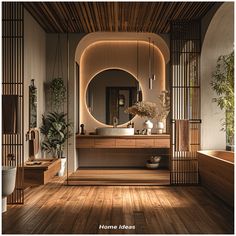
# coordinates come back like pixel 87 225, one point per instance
pixel 87 17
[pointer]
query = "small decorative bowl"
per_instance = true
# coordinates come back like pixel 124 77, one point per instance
pixel 152 165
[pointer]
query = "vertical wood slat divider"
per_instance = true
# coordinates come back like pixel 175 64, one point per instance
pixel 12 84
pixel 185 89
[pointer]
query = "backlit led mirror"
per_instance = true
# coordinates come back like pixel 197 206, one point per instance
pixel 109 93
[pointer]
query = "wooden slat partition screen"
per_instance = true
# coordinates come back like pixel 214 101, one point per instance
pixel 12 84
pixel 185 89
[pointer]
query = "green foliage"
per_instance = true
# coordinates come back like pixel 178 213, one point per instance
pixel 56 131
pixel 223 84
pixel 58 93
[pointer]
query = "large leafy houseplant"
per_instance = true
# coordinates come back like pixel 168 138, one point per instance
pixel 56 131
pixel 223 84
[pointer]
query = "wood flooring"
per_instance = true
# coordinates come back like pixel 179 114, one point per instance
pixel 119 176
pixel 58 209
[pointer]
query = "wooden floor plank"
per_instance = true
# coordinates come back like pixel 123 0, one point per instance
pixel 128 219
pixel 83 214
pixel 117 210
pixel 58 209
pixel 105 216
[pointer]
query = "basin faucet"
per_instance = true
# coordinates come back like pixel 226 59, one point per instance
pixel 115 121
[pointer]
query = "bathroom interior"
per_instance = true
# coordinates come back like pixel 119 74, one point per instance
pixel 117 117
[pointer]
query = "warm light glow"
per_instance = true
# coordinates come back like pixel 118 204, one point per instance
pixel 86 76
pixel 131 41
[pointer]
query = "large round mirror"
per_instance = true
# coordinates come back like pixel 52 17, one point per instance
pixel 109 93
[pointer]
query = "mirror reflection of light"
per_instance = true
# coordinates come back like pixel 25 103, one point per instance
pixel 84 110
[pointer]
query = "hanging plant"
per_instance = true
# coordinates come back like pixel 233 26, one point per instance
pixel 58 93
pixel 223 84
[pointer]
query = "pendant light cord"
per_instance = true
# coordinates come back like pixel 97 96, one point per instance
pixel 149 60
pixel 137 62
pixel 58 59
pixel 153 61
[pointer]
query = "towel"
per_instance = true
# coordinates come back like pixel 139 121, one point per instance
pixel 33 143
pixel 10 119
pixel 182 135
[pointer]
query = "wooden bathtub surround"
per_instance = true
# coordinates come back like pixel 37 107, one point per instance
pixel 133 141
pixel 216 170
pixel 41 174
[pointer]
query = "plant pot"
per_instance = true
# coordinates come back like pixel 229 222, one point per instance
pixel 148 125
pixel 152 165
pixel 63 167
pixel 230 148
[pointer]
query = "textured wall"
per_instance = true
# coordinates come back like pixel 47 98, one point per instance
pixel 219 40
pixel 34 68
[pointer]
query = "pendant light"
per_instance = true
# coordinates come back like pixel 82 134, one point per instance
pixel 153 62
pixel 149 64
pixel 139 92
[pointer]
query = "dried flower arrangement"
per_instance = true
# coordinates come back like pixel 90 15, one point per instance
pixel 143 109
pixel 164 105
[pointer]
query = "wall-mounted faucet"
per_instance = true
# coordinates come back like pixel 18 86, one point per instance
pixel 115 121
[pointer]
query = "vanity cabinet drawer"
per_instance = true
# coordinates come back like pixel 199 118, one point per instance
pixel 85 143
pixel 162 143
pixel 125 143
pixel 144 143
pixel 105 143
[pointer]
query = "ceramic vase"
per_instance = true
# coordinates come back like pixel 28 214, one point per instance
pixel 160 127
pixel 148 125
pixel 63 166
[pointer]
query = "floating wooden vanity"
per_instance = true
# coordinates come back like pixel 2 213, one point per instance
pixel 133 141
pixel 122 158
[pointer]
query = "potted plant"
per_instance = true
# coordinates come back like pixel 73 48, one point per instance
pixel 144 109
pixel 223 84
pixel 55 128
pixel 56 131
pixel 164 110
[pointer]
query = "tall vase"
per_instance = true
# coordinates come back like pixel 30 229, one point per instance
pixel 148 125
pixel 160 127
pixel 63 167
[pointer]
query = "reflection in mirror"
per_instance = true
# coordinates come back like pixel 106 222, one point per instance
pixel 32 105
pixel 109 93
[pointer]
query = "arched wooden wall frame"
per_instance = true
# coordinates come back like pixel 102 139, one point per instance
pixel 96 40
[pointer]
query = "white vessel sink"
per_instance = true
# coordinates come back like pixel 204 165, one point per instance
pixel 109 131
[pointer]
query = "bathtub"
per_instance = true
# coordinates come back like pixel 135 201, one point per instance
pixel 216 172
